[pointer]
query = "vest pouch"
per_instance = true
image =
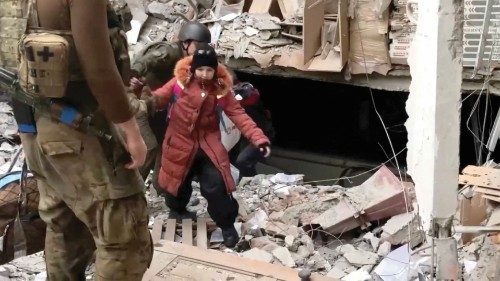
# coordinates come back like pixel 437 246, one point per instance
pixel 44 66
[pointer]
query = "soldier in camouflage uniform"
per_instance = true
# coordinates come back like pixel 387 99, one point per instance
pixel 154 66
pixel 89 201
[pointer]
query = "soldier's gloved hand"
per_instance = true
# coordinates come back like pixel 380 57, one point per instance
pixel 134 143
pixel 265 150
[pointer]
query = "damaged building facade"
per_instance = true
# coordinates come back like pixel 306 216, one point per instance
pixel 342 78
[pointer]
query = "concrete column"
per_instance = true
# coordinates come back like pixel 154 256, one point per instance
pixel 433 125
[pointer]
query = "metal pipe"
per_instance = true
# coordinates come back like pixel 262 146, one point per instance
pixel 475 229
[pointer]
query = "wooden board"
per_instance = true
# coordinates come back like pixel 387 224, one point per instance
pixel 493 198
pixel 201 233
pixel 170 230
pixel 187 232
pixel 488 191
pixel 157 229
pixel 480 176
pixel 175 261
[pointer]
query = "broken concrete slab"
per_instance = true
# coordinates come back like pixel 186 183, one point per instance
pixel 336 273
pixel 289 239
pixel 284 256
pixel 260 242
pixel 328 254
pixel 344 265
pixel 381 196
pixel 258 254
pixel 384 249
pixel 399 229
pixel 304 252
pixel 372 239
pixel 317 262
pixel 287 179
pixel 358 257
pixel 281 229
pixel 358 275
pixel 160 10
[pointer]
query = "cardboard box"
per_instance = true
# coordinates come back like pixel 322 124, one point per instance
pixel 310 57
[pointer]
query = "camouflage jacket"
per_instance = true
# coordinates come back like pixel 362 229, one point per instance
pixel 156 62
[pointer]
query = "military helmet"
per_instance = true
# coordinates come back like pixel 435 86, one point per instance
pixel 196 31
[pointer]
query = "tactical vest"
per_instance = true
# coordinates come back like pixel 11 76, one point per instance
pixel 46 59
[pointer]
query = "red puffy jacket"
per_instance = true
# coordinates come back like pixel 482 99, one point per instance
pixel 194 124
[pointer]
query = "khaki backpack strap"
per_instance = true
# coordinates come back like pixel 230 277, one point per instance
pixel 32 15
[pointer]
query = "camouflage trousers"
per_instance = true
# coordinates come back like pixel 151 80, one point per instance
pixel 88 206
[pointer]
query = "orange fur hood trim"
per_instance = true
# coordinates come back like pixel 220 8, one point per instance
pixel 182 73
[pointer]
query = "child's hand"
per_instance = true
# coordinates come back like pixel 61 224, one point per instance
pixel 265 150
pixel 136 85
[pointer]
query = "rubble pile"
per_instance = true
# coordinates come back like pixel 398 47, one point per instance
pixel 276 224
pixel 255 36
pixel 9 143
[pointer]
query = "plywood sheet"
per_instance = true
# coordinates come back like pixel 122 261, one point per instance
pixel 175 261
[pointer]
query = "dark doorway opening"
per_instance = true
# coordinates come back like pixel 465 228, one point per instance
pixel 340 121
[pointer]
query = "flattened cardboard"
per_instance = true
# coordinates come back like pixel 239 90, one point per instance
pixel 265 6
pixel 288 8
pixel 314 12
pixel 472 212
pixel 225 7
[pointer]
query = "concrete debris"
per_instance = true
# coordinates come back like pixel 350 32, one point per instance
pixel 260 242
pixel 281 229
pixel 358 257
pixel 289 239
pixel 317 262
pixel 343 265
pixel 287 179
pixel 8 126
pixel 381 196
pixel 335 273
pixel 284 256
pixel 401 228
pixel 160 10
pixel 358 275
pixel 328 254
pixel 258 254
pixel 384 249
pixel 372 239
pixel 487 267
pixel 4 274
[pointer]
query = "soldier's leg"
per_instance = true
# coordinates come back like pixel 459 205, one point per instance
pixel 69 245
pixel 124 246
pixel 107 199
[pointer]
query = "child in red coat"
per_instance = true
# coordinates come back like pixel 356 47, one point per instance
pixel 192 147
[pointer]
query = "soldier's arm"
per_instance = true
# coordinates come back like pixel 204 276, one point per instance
pixel 90 33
